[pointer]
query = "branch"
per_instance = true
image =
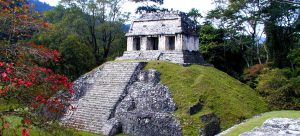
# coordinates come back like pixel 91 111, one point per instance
pixel 288 2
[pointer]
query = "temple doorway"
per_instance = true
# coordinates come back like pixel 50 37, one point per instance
pixel 170 44
pixel 136 43
pixel 152 43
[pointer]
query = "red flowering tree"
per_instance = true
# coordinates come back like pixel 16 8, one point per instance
pixel 24 75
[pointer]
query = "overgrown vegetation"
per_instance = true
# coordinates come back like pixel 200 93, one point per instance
pixel 278 90
pixel 221 94
pixel 257 42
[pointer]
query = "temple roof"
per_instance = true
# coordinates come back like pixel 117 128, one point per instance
pixel 162 23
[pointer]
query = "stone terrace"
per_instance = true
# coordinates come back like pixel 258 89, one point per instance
pixel 179 57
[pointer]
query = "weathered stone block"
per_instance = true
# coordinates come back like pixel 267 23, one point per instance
pixel 211 124
pixel 146 110
pixel 195 108
pixel 147 123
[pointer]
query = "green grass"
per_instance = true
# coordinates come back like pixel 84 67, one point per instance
pixel 223 95
pixel 252 123
pixel 15 123
pixel 7 105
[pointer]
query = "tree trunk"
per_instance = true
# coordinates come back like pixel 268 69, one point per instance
pixel 258 53
pixel 94 43
pixel 107 46
pixel 267 53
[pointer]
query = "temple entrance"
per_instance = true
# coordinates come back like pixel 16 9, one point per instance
pixel 170 45
pixel 152 43
pixel 136 43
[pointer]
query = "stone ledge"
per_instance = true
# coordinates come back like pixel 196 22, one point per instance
pixel 179 57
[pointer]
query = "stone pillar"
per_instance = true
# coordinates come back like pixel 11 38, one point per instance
pixel 149 44
pixel 179 42
pixel 190 43
pixel 196 43
pixel 162 42
pixel 129 43
pixel 144 43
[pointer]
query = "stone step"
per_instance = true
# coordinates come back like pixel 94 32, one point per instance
pixel 108 96
pixel 95 107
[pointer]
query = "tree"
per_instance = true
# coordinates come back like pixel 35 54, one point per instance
pixel 221 52
pixel 155 1
pixel 78 57
pixel 69 34
pixel 242 18
pixel 17 21
pixel 275 19
pixel 97 13
pixel 149 6
pixel 25 77
pixel 281 19
pixel 195 15
pixel 108 33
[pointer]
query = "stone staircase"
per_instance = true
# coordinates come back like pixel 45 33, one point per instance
pixel 98 103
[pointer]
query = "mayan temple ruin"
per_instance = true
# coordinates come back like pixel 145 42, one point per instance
pixel 118 96
pixel 169 36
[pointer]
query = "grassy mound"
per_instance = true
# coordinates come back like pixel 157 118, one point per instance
pixel 230 99
pixel 252 123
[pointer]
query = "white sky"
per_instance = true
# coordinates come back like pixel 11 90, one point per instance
pixel 183 5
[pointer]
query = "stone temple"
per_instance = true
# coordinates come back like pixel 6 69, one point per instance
pixel 120 96
pixel 169 36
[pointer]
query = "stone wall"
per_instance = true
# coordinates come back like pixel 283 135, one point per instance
pixel 155 27
pixel 190 43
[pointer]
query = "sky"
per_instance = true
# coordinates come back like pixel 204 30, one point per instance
pixel 183 5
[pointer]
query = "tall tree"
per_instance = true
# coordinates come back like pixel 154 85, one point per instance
pixel 149 6
pixel 146 1
pixel 195 15
pixel 281 19
pixel 223 53
pixel 98 12
pixel 242 17
pixel 25 75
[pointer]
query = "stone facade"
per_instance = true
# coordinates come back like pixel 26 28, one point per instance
pixel 170 32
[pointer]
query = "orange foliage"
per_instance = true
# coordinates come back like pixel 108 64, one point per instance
pixel 254 70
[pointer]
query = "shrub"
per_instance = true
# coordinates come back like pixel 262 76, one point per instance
pixel 251 74
pixel 279 91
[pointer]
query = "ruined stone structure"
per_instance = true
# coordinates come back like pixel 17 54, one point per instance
pixel 98 93
pixel 119 96
pixel 169 36
pixel 146 110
